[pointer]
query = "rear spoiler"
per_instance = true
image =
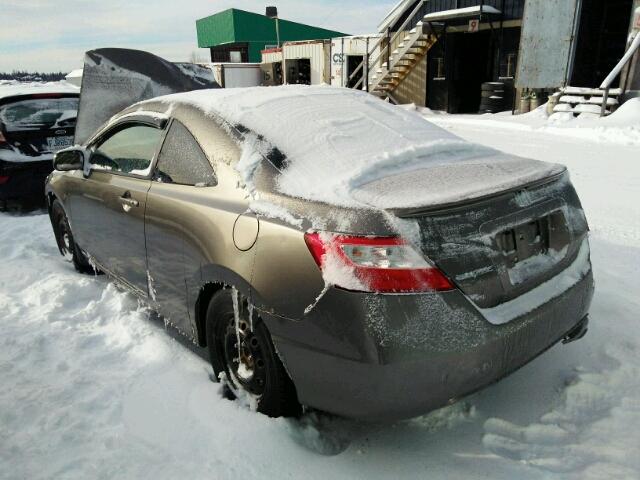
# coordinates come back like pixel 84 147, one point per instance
pixel 116 78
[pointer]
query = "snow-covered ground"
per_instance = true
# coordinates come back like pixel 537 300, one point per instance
pixel 92 387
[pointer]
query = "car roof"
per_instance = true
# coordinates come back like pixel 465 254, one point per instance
pixel 15 89
pixel 332 142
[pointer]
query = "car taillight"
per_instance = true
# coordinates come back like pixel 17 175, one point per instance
pixel 2 139
pixel 3 179
pixel 379 264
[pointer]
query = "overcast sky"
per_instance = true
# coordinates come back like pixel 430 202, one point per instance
pixel 50 35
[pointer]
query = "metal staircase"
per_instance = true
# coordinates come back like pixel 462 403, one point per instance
pixel 392 58
pixel 413 47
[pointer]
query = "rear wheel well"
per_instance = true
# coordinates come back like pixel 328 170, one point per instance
pixel 202 304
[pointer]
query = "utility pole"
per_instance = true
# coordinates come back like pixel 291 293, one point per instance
pixel 272 12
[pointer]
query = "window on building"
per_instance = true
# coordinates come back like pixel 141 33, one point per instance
pixel 182 161
pixel 439 67
pixel 130 150
pixel 508 66
pixel 235 56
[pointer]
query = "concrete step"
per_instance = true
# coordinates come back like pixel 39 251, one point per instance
pixel 579 99
pixel 614 92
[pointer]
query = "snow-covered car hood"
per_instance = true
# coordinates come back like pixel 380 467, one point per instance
pixel 347 148
pixel 116 78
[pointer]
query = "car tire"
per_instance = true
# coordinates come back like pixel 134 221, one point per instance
pixel 255 371
pixel 66 244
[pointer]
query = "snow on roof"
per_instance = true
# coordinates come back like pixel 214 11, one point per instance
pixel 363 36
pixel 460 13
pixel 338 140
pixel 75 77
pixel 77 73
pixel 13 89
pixel 405 5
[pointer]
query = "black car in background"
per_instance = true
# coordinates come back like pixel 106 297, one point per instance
pixel 35 122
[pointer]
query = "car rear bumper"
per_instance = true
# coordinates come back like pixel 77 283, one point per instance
pixel 412 354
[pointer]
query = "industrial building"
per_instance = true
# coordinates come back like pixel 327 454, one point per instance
pixel 450 54
pixel 239 36
pixel 347 54
pixel 298 63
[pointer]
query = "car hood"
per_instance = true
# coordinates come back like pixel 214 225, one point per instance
pixel 116 78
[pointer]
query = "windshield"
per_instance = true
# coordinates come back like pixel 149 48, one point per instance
pixel 39 113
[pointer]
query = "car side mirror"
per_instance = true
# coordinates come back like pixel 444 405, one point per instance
pixel 69 159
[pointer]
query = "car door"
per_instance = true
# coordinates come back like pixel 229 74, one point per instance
pixel 181 177
pixel 108 210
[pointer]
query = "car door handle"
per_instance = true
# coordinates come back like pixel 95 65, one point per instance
pixel 127 202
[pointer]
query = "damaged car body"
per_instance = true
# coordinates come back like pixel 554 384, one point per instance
pixel 317 283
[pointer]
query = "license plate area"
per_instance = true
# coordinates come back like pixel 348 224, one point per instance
pixel 57 143
pixel 524 241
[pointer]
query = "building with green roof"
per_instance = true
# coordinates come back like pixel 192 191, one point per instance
pixel 238 36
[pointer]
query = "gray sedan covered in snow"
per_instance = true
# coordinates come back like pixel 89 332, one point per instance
pixel 330 250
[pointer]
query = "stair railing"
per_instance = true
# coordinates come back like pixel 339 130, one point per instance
pixel 368 62
pixel 606 85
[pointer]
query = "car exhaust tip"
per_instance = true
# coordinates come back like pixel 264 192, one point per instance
pixel 578 332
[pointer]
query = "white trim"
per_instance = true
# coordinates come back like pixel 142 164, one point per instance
pixel 404 5
pixel 461 13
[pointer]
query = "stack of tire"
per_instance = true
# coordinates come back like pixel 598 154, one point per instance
pixel 493 97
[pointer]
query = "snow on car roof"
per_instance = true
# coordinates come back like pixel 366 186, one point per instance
pixel 337 139
pixel 12 89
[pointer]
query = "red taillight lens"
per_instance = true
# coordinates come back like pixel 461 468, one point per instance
pixel 3 179
pixel 379 264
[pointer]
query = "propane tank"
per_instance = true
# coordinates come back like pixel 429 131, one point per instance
pixel 525 102
pixel 534 101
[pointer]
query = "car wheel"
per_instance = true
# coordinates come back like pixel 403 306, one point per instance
pixel 64 238
pixel 242 350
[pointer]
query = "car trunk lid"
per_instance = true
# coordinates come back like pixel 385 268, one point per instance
pixel 497 247
pixel 471 175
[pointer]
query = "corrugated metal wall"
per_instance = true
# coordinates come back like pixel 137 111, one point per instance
pixel 413 89
pixel 272 57
pixel 316 52
pixel 512 9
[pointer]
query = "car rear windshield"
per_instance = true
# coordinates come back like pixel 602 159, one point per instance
pixel 39 113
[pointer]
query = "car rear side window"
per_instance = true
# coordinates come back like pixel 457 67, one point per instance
pixel 130 150
pixel 182 161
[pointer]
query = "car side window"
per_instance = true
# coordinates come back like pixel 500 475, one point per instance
pixel 182 161
pixel 130 150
